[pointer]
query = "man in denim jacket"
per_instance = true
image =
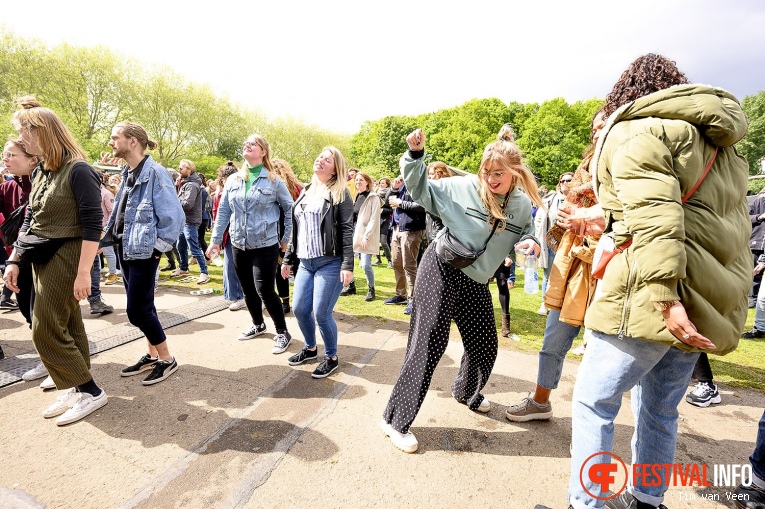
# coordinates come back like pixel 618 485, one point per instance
pixel 146 220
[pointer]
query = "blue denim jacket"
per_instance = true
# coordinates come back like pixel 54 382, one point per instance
pixel 153 215
pixel 253 221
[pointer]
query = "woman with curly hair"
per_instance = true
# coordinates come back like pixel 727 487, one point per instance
pixel 671 185
pixel 490 215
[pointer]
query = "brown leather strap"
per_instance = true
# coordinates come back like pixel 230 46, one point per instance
pixel 703 176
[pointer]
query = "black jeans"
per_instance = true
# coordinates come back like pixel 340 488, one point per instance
pixel 702 371
pixel 256 270
pixel 138 277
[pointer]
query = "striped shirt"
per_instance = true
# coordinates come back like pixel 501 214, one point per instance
pixel 308 217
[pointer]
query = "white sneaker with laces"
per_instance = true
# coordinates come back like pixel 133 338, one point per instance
pixel 484 407
pixel 47 384
pixel 203 278
pixel 236 305
pixel 282 342
pixel 64 402
pixel 36 372
pixel 542 310
pixel 85 405
pixel 407 442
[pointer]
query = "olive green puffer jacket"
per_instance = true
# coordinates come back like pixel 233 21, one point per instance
pixel 651 153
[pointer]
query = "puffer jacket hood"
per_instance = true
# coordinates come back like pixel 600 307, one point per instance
pixel 651 153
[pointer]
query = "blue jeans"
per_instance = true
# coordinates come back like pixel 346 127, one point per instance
pixel 95 281
pixel 317 288
pixel 658 376
pixel 366 264
pixel 757 459
pixel 547 270
pixel 759 314
pixel 558 338
pixel 232 290
pixel 188 241
pixel 111 259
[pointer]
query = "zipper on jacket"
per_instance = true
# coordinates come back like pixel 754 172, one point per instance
pixel 626 311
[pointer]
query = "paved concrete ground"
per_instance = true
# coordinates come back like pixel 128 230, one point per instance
pixel 237 427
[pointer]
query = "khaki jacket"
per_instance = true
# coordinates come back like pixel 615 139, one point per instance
pixel 571 286
pixel 650 154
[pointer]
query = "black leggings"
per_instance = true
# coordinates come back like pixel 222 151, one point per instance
pixel 256 270
pixel 443 293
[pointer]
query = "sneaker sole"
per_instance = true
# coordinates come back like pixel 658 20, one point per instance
pixel 47 386
pixel 99 404
pixel 325 375
pixel 51 415
pixel 164 377
pixel 546 416
pixel 139 371
pixel 307 359
pixel 703 404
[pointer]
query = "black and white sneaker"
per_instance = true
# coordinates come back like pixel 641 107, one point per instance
pixel 162 369
pixel 144 363
pixel 326 368
pixel 303 356
pixel 703 395
pixel 283 340
pixel 9 304
pixel 253 332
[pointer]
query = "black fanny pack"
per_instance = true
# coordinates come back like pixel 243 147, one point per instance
pixel 37 250
pixel 450 250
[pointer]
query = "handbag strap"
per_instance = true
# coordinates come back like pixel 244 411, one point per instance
pixel 703 176
pixel 496 222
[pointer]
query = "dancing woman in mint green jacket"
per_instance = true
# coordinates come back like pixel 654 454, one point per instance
pixel 491 212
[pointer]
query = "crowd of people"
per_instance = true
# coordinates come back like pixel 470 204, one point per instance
pixel 628 244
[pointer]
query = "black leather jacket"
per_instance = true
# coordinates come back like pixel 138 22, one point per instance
pixel 336 230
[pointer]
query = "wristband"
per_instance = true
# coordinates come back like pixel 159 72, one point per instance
pixel 11 262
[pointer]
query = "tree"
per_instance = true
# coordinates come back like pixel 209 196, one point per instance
pixel 752 147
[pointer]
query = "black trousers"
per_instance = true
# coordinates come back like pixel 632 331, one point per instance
pixel 256 270
pixel 443 293
pixel 138 277
pixel 702 371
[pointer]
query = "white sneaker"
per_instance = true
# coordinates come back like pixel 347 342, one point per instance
pixel 579 350
pixel 47 384
pixel 36 372
pixel 484 407
pixel 203 278
pixel 64 402
pixel 236 305
pixel 84 406
pixel 406 442
pixel 542 310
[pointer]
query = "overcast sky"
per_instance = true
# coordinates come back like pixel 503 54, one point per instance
pixel 338 63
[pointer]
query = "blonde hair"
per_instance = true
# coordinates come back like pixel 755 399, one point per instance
pixel 133 130
pixel 55 141
pixel 508 156
pixel 190 164
pixel 337 185
pixel 283 170
pixel 267 164
pixel 506 133
pixel 440 169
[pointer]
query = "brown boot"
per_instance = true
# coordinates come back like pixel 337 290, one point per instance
pixel 505 325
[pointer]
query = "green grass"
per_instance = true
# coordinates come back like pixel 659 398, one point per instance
pixel 744 367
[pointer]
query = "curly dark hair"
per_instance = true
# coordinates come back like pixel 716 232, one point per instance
pixel 647 74
pixel 225 172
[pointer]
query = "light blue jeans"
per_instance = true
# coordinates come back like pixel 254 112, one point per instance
pixel 658 376
pixel 232 290
pixel 546 271
pixel 317 288
pixel 189 241
pixel 759 313
pixel 558 338
pixel 111 259
pixel 366 264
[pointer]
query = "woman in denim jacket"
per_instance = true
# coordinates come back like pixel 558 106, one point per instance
pixel 250 207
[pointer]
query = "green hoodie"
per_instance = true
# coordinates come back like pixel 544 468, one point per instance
pixel 651 153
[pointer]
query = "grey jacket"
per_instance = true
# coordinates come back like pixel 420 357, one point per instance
pixel 190 196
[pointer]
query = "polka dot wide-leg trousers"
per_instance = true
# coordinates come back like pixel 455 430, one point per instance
pixel 443 293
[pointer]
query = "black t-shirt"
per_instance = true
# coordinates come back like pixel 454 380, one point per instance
pixel 119 218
